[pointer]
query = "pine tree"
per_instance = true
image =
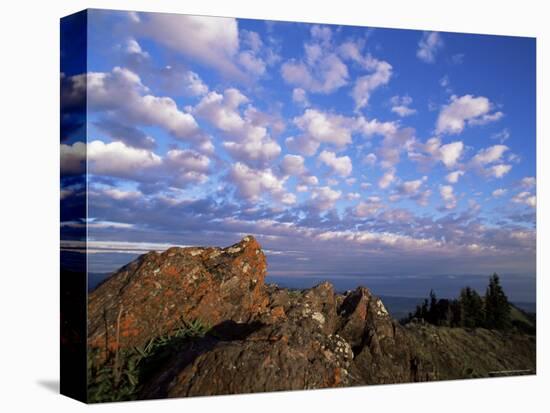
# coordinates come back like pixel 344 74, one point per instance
pixel 471 308
pixel 497 307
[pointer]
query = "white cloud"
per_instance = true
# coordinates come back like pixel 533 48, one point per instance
pixel 299 95
pixel 322 71
pixel 498 171
pixel 249 140
pixel 370 159
pixel 375 127
pixel 121 195
pixel 339 165
pixel 489 155
pixel 365 85
pixel 528 182
pixel 497 193
pixel 324 197
pixel 428 46
pixel 293 165
pixel 310 180
pixel 411 187
pixel 464 110
pixel 302 144
pixel 501 136
pixel 211 41
pixel 252 63
pixel 192 165
pixel 122 93
pixel 193 84
pixel 450 153
pixel 389 151
pixel 386 179
pixel 401 106
pixel 448 196
pixel 117 159
pixel 259 151
pixel 320 127
pixel 352 196
pixel 253 183
pixel 132 47
pixel 368 208
pixel 525 198
pixel 453 177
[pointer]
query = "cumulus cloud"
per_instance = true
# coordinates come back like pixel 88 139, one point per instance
pixel 211 41
pixel 386 179
pixel 320 127
pixel 299 96
pixel 453 177
pixel 121 195
pixel 324 198
pixel 428 46
pixel 498 171
pixel 122 95
pixel 193 84
pixel 497 193
pixel 365 85
pixel 117 159
pixel 450 153
pixel 411 187
pixel 464 110
pixel 252 184
pixel 248 137
pixel 368 208
pixel 432 151
pixel 322 71
pixel 191 166
pixel 341 166
pixel 489 155
pixel 448 196
pixel 393 144
pixel 525 198
pixel 528 182
pixel 401 105
pixel 293 165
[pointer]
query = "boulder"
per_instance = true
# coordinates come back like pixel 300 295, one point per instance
pixel 155 293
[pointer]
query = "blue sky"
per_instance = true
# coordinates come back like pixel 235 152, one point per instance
pixel 347 151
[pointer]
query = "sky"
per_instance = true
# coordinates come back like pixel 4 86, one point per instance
pixel 350 153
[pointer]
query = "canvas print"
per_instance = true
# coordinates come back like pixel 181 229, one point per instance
pixel 256 206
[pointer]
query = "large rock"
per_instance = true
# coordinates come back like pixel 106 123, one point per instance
pixel 282 356
pixel 152 295
pixel 383 352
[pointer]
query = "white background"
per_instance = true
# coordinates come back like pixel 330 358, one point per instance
pixel 29 211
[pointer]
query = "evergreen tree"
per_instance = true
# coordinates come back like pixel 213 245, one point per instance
pixel 471 308
pixel 432 316
pixel 497 307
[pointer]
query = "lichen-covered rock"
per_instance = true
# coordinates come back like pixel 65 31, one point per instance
pixel 151 295
pixel 282 356
pixel 382 350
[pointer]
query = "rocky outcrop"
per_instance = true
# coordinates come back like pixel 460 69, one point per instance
pixel 151 295
pixel 267 338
